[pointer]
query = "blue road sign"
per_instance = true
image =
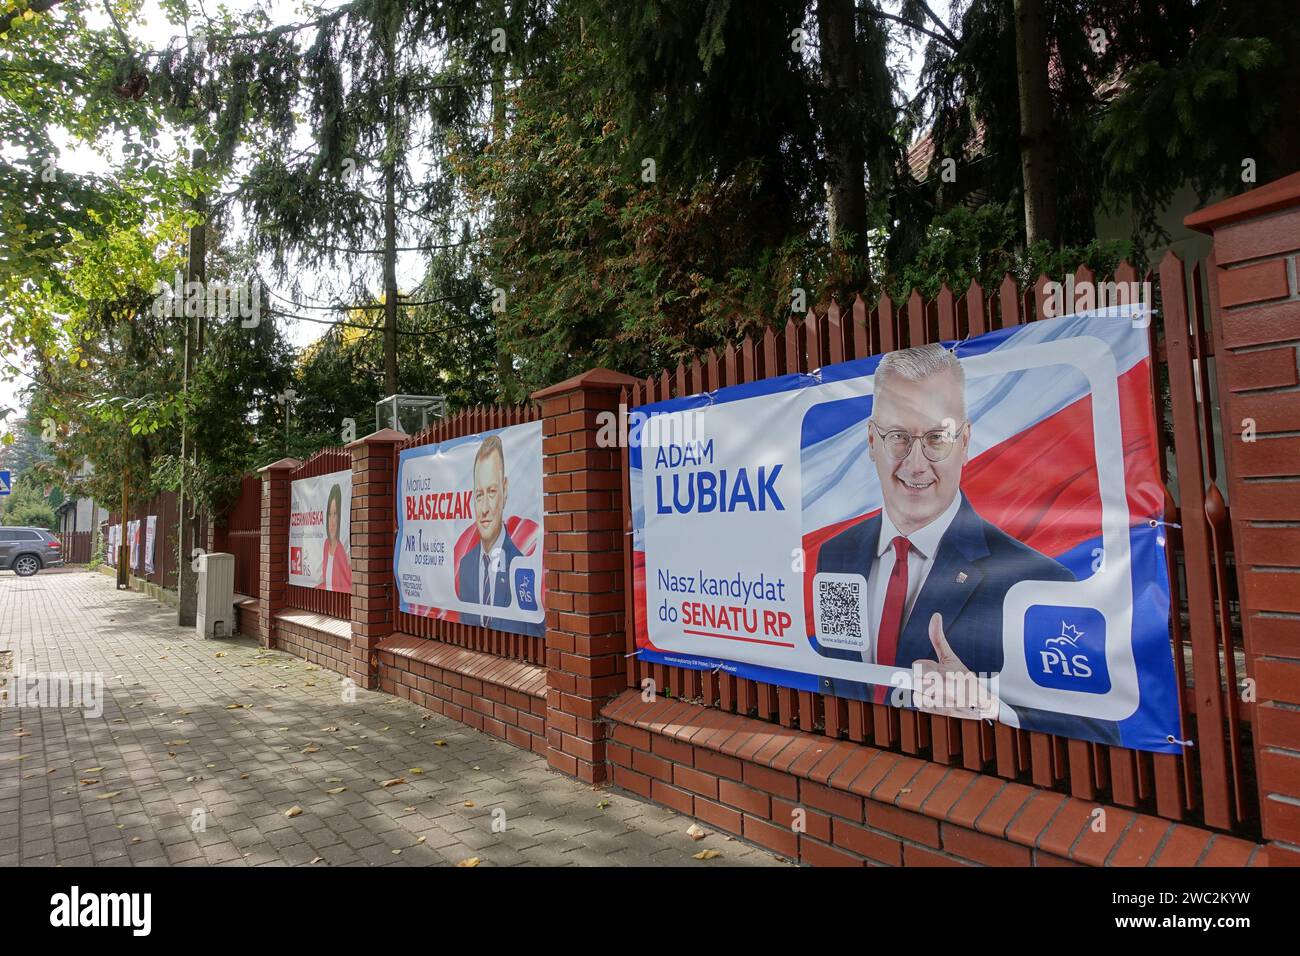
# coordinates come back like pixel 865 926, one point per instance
pixel 6 483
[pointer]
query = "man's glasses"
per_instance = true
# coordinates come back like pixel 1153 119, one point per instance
pixel 936 444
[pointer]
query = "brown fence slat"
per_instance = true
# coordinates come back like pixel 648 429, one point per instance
pixel 1196 558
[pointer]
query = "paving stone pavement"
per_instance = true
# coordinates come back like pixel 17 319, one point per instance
pixel 203 746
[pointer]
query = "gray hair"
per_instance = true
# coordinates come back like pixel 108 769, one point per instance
pixel 920 362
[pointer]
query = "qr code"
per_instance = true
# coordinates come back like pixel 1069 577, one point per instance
pixel 840 608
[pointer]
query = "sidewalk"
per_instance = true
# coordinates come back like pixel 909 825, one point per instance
pixel 204 747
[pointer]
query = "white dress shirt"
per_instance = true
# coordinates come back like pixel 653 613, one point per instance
pixel 489 564
pixel 920 559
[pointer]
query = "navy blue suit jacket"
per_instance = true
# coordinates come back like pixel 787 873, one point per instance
pixel 470 578
pixel 992 561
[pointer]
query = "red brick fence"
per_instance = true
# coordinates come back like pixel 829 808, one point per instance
pixel 829 781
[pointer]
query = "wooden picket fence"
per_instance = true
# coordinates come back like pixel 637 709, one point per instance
pixel 239 532
pixel 1208 783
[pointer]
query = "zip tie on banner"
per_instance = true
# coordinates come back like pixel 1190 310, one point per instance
pixel 1155 523
pixel 1182 743
pixel 633 654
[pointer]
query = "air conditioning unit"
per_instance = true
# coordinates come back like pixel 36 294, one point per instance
pixel 215 615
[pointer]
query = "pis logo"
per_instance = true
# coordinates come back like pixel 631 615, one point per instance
pixel 1065 648
pixel 526 589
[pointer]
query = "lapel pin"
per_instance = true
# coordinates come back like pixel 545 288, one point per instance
pixel 961 577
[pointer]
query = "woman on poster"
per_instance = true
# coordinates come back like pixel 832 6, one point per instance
pixel 336 571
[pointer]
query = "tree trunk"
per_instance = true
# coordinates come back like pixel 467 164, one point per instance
pixel 841 130
pixel 390 227
pixel 1038 177
pixel 187 581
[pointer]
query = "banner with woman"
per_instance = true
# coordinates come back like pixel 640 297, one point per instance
pixel 320 513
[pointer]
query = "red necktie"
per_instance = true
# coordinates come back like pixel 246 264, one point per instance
pixel 891 617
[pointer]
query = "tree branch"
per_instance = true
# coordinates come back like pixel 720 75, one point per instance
pixel 951 43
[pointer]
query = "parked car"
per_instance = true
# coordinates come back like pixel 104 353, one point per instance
pixel 26 550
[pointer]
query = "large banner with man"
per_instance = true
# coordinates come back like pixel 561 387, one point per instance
pixel 320 521
pixel 150 531
pixel 469 530
pixel 133 543
pixel 971 529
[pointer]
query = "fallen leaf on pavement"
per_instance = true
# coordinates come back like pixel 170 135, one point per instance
pixel 706 855
pixel 394 782
pixel 696 832
pixel 108 796
pixel 472 861
pixel 294 811
pixel 335 791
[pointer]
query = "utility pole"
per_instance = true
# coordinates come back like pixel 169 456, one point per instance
pixel 123 545
pixel 187 585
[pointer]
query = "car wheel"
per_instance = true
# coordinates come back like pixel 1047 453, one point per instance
pixel 26 565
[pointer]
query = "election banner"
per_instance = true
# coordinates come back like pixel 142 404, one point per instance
pixel 972 529
pixel 320 522
pixel 112 544
pixel 150 527
pixel 133 543
pixel 469 530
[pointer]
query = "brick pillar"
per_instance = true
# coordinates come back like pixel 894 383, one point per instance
pixel 274 570
pixel 582 487
pixel 1255 300
pixel 372 531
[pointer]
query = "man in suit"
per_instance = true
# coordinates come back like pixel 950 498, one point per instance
pixel 937 573
pixel 484 574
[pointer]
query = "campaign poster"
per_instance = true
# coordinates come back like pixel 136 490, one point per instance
pixel 150 528
pixel 112 544
pixel 972 529
pixel 469 530
pixel 320 523
pixel 133 543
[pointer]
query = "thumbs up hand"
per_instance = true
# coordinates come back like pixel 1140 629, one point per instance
pixel 948 687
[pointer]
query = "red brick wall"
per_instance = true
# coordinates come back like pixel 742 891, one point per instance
pixel 247 620
pixel 503 698
pixel 582 489
pixel 273 587
pixel 319 647
pixel 1255 318
pixel 372 530
pixel 859 806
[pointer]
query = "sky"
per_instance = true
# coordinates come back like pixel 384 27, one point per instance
pixel 153 31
